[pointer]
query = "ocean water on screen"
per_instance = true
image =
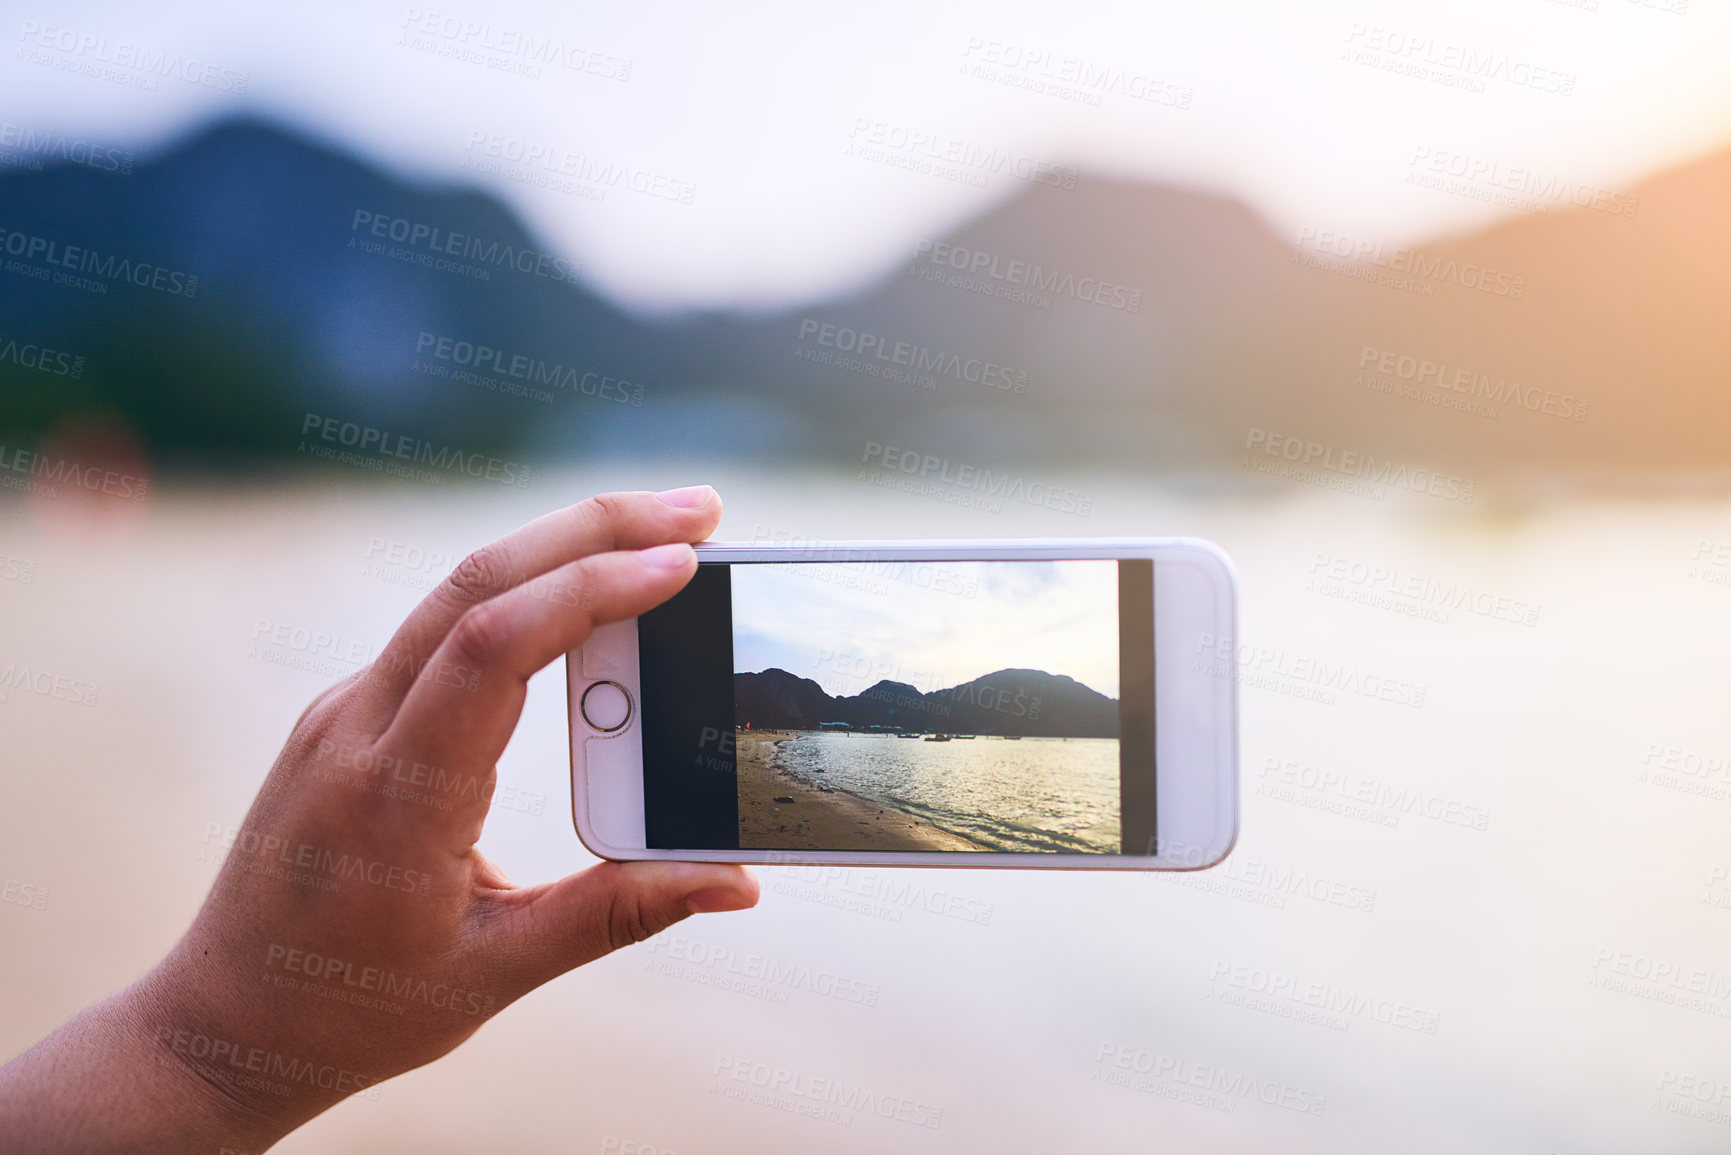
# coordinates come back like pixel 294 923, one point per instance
pixel 1030 794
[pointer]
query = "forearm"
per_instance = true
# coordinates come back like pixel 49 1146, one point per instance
pixel 297 988
pixel 124 1076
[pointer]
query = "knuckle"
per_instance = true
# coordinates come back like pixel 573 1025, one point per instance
pixel 325 711
pixel 480 636
pixel 610 510
pixel 628 922
pixel 484 574
pixel 324 719
pixel 572 587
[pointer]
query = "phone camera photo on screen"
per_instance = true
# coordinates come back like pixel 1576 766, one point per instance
pixel 1033 703
pixel 989 709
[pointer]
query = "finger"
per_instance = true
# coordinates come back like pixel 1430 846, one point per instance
pixel 564 924
pixel 460 713
pixel 608 522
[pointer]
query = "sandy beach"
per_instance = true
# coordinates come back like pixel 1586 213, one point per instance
pixel 820 817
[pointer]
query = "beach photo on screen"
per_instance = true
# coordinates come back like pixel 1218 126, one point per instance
pixel 953 706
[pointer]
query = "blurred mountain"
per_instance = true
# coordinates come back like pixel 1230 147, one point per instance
pixel 1023 703
pixel 1114 324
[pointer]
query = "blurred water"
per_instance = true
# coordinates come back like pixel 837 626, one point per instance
pixel 1038 794
pixel 1531 957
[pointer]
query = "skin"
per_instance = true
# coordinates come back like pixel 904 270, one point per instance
pixel 338 886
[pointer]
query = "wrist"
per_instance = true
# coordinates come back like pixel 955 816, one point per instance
pixel 109 1080
pixel 239 1077
pixel 195 1073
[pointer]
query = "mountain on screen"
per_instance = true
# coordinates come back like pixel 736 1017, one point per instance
pixel 1011 702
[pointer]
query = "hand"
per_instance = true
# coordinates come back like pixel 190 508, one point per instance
pixel 354 931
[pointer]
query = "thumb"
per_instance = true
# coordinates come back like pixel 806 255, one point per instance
pixel 614 904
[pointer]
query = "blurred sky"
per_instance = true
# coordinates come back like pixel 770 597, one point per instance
pixel 934 626
pixel 752 108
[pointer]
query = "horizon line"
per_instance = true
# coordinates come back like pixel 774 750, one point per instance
pixel 964 682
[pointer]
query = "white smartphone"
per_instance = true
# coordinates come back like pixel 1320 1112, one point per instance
pixel 1033 704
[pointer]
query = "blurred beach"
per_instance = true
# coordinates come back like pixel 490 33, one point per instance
pixel 1490 913
pixel 1419 313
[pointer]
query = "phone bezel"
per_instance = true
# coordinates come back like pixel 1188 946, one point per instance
pixel 1196 710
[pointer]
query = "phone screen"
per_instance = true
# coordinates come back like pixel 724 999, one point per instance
pixel 954 706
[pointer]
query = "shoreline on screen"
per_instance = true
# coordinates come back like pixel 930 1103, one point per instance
pixel 823 817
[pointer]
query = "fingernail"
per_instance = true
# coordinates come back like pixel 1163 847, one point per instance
pixel 691 497
pixel 716 899
pixel 673 556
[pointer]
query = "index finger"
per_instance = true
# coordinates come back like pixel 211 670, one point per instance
pixel 601 524
pixel 462 712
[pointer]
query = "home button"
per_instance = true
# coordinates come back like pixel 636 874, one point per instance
pixel 606 706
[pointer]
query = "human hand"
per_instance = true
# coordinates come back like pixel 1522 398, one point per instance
pixel 355 931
